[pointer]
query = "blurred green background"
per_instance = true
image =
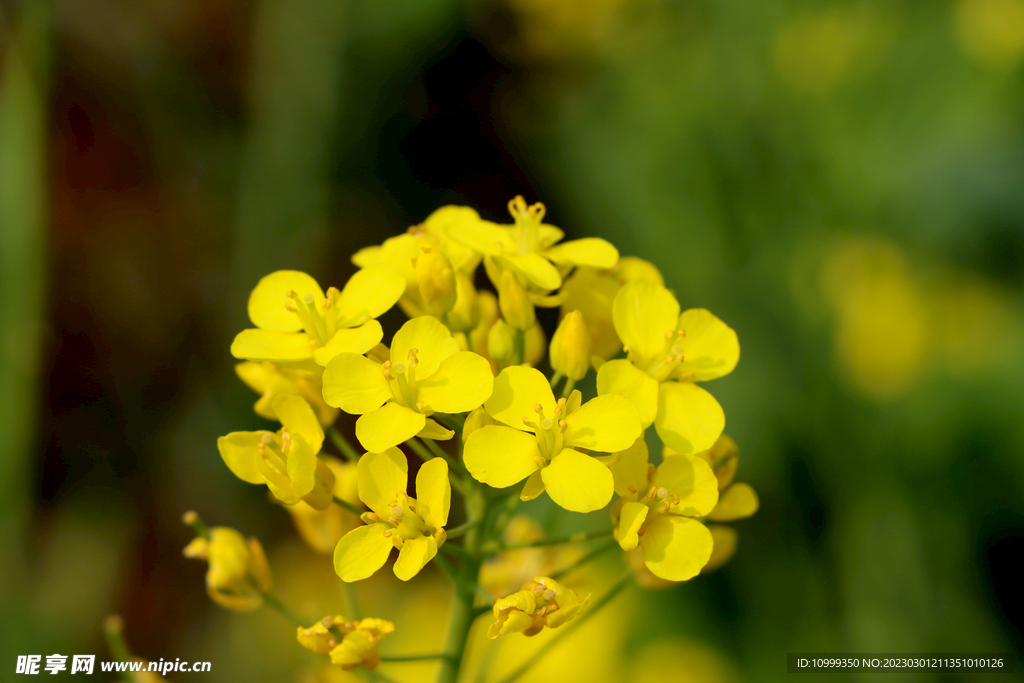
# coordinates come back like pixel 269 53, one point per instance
pixel 841 182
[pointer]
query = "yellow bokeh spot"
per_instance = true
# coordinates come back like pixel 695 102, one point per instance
pixel 813 53
pixel 991 31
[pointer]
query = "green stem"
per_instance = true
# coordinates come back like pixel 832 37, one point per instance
pixel 585 559
pixel 281 608
pixel 351 600
pixel 439 452
pixel 566 631
pixel 462 529
pixel 575 538
pixel 424 454
pixel 445 564
pixel 347 450
pixel 450 421
pixel 570 384
pixel 113 630
pixel 354 509
pixel 412 658
pixel 520 347
pixel 555 379
pixel 193 519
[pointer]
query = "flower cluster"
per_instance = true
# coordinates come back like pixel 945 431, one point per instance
pixel 472 389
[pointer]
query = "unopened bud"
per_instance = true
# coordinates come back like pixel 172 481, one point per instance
pixel 501 342
pixel 436 279
pixel 466 313
pixel 570 347
pixel 515 304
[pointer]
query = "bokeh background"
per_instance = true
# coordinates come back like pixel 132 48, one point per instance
pixel 841 182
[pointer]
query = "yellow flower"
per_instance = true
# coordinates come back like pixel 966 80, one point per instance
pixel 402 251
pixel 514 302
pixel 296 323
pixel 271 380
pixel 570 347
pixel 436 280
pixel 667 353
pixel 322 529
pixel 426 373
pixel 465 314
pixel 413 525
pixel 544 441
pixel 489 323
pixel 238 574
pixel 358 644
pixel 657 508
pixel 542 602
pixel 286 460
pixel 736 500
pixel 529 246
pixel 592 290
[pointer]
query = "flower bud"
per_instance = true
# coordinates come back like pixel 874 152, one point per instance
pixel 570 347
pixel 466 313
pixel 515 304
pixel 436 279
pixel 238 572
pixel 501 342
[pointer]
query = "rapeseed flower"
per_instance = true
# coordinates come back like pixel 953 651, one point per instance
pixel 358 646
pixel 286 460
pixel 544 441
pixel 657 511
pixel 541 603
pixel 426 373
pixel 270 380
pixel 667 352
pixel 415 526
pixel 297 324
pixel 322 529
pixel 238 573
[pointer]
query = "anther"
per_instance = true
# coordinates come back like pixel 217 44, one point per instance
pixel 372 516
pixel 653 492
pixel 386 367
pixel 332 643
pixel 632 489
pixel 528 422
pixel 387 534
pixel 538 408
pixel 562 425
pixel 627 348
pixel 394 520
pixel 421 406
pixel 669 334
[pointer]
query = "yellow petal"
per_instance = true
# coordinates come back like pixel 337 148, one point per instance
pixel 516 622
pixel 689 419
pixel 710 347
pixel 355 384
pixel 361 552
pixel 461 383
pixel 301 466
pixel 630 469
pixel 643 313
pixel 369 293
pixel 432 341
pixel 267 302
pixel 631 518
pixel 738 501
pixel 724 458
pixel 533 487
pixel 517 390
pixel 415 554
pixel 676 548
pixel 352 340
pixel 483 236
pixel 388 426
pixel 726 539
pixel 381 476
pixel 299 419
pixel 625 379
pixel 238 450
pixel 500 456
pixel 433 493
pixel 589 251
pixel 691 479
pixel 534 268
pixel 607 423
pixel 367 256
pixel 280 347
pixel 578 482
pixel 433 430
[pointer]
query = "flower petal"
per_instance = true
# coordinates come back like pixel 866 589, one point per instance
pixel 536 269
pixel 589 251
pixel 517 390
pixel 710 347
pixel 301 466
pixel 355 384
pixel 461 383
pixel 415 554
pixel 689 419
pixel 724 458
pixel 432 341
pixel 578 482
pixel 361 552
pixel 643 313
pixel 631 518
pixel 280 347
pixel 483 236
pixel 267 301
pixel 433 430
pixel 368 294
pixel 352 340
pixel 625 379
pixel 676 548
pixel 607 423
pixel 500 456
pixel 533 487
pixel 691 479
pixel 388 426
pixel 238 450
pixel 725 539
pixel 381 476
pixel 631 469
pixel 737 501
pixel 298 418
pixel 433 493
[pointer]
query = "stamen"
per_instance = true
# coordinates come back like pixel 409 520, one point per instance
pixel 653 492
pixel 386 367
pixel 562 425
pixel 413 360
pixel 387 534
pixel 528 422
pixel 394 520
pixel 421 406
pixel 632 489
pixel 538 408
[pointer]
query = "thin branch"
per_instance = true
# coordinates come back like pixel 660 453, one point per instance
pixel 348 506
pixel 585 559
pixel 350 453
pixel 575 538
